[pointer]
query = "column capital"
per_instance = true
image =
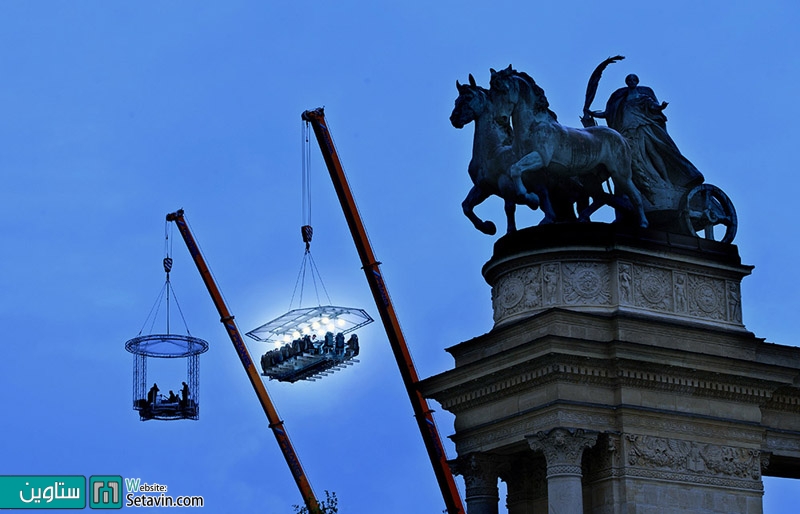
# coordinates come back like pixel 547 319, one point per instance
pixel 563 448
pixel 476 465
pixel 480 477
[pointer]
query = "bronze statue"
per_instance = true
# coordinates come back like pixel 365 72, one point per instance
pixel 659 166
pixel 545 148
pixel 522 154
pixel 675 197
pixel 492 156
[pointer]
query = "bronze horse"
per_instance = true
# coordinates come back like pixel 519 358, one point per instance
pixel 492 156
pixel 545 149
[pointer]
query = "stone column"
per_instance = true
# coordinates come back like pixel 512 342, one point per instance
pixel 480 477
pixel 563 450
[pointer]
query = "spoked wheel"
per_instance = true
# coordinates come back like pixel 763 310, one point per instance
pixel 705 207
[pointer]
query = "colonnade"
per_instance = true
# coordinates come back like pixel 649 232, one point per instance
pixel 549 471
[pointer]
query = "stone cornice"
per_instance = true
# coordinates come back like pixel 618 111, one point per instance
pixel 513 429
pixel 785 400
pixel 609 237
pixel 612 373
pixel 629 327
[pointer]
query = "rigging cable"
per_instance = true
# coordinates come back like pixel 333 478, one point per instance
pixel 166 289
pixel 306 230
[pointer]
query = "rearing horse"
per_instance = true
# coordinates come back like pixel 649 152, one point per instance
pixel 544 148
pixel 492 156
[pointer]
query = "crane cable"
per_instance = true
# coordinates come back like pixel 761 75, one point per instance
pixel 306 230
pixel 166 289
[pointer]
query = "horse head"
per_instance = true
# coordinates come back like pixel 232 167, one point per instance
pixel 472 101
pixel 518 90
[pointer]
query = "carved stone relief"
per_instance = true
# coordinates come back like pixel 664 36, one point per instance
pixel 479 471
pixel 551 283
pixel 563 449
pixel 692 457
pixel 586 283
pixel 605 458
pixel 734 302
pixel 518 291
pixel 707 297
pixel 625 283
pixel 652 288
pixel 679 287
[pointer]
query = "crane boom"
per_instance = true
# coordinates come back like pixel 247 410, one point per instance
pixel 275 423
pixel 422 412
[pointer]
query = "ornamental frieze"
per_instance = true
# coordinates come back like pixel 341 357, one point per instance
pixel 684 456
pixel 652 288
pixel 707 298
pixel 605 285
pixel 518 291
pixel 586 282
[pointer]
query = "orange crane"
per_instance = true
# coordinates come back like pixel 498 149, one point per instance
pixel 422 412
pixel 275 423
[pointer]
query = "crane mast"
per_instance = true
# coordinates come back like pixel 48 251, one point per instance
pixel 422 412
pixel 275 423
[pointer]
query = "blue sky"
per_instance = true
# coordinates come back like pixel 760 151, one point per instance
pixel 116 113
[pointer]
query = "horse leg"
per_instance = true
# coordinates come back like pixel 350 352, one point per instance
pixel 475 197
pixel 510 208
pixel 597 202
pixel 545 204
pixel 531 162
pixel 629 188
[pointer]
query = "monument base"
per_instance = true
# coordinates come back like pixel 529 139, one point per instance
pixel 619 378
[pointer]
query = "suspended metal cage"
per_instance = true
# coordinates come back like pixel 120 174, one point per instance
pixel 150 401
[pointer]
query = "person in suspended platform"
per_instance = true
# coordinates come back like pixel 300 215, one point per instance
pixel 352 345
pixel 152 395
pixel 339 344
pixel 660 171
pixel 328 345
pixel 306 345
pixel 184 394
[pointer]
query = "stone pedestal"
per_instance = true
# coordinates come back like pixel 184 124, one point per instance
pixel 619 378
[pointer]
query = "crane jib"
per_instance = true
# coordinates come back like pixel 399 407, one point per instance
pixel 434 432
pixel 381 286
pixel 285 444
pixel 380 294
pixel 328 139
pixel 241 349
pixel 190 243
pixel 288 453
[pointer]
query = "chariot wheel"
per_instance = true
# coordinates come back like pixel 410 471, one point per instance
pixel 705 207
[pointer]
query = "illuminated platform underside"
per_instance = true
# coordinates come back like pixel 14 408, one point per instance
pixel 308 367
